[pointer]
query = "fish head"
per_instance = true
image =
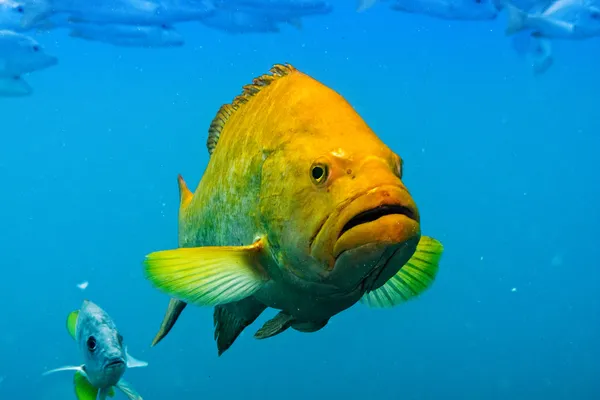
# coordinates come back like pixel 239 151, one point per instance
pixel 332 195
pixel 32 56
pixel 101 346
pixel 11 13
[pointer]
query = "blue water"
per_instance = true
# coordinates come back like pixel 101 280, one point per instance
pixel 503 166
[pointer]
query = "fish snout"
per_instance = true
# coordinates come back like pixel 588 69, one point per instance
pixel 385 214
pixel 115 363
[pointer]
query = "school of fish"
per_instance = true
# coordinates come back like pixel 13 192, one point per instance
pixel 532 24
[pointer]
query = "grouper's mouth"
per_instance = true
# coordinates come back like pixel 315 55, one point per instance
pixel 376 213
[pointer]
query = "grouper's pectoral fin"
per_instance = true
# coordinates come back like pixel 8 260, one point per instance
pixel 173 311
pixel 231 319
pixel 413 278
pixel 275 326
pixel 208 276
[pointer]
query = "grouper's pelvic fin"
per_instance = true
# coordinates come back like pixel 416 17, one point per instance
pixel 413 278
pixel 208 276
pixel 231 319
pixel 227 110
pixel 173 311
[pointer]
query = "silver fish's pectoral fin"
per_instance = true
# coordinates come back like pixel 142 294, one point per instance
pixel 66 368
pixel 133 362
pixel 128 390
pixel 173 311
pixel 274 326
pixel 231 319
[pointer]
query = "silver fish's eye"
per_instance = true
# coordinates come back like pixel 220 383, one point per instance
pixel 91 343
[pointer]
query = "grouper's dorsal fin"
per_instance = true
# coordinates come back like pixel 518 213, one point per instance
pixel 217 124
pixel 185 195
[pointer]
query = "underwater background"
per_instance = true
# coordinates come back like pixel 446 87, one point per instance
pixel 503 165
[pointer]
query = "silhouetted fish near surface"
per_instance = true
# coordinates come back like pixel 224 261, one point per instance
pixel 128 35
pixel 301 208
pixel 14 87
pixel 450 9
pixel 563 19
pixel 129 12
pixel 21 54
pixel 104 354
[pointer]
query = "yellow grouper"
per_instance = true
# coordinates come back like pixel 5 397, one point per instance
pixel 301 208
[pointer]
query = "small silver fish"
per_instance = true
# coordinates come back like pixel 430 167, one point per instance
pixel 129 35
pixel 21 54
pixel 105 357
pixel 563 19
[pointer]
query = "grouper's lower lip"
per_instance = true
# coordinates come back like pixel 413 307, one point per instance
pixel 392 228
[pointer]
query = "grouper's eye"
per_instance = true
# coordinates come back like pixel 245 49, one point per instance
pixel 319 173
pixel 91 343
pixel 120 339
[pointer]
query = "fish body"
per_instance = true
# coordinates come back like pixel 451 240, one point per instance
pixel 21 54
pixel 562 19
pixel 450 9
pixel 128 12
pixel 14 86
pixel 301 208
pixel 240 22
pixel 105 357
pixel 128 35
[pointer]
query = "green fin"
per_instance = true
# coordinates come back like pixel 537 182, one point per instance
pixel 227 110
pixel 413 279
pixel 173 311
pixel 207 276
pixel 231 319
pixel 83 388
pixel 274 326
pixel 72 323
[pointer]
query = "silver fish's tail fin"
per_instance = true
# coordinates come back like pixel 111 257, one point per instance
pixel 128 390
pixel 516 18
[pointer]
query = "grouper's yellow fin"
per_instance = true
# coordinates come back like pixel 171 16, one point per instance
pixel 185 195
pixel 413 279
pixel 249 91
pixel 72 323
pixel 208 276
pixel 83 388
